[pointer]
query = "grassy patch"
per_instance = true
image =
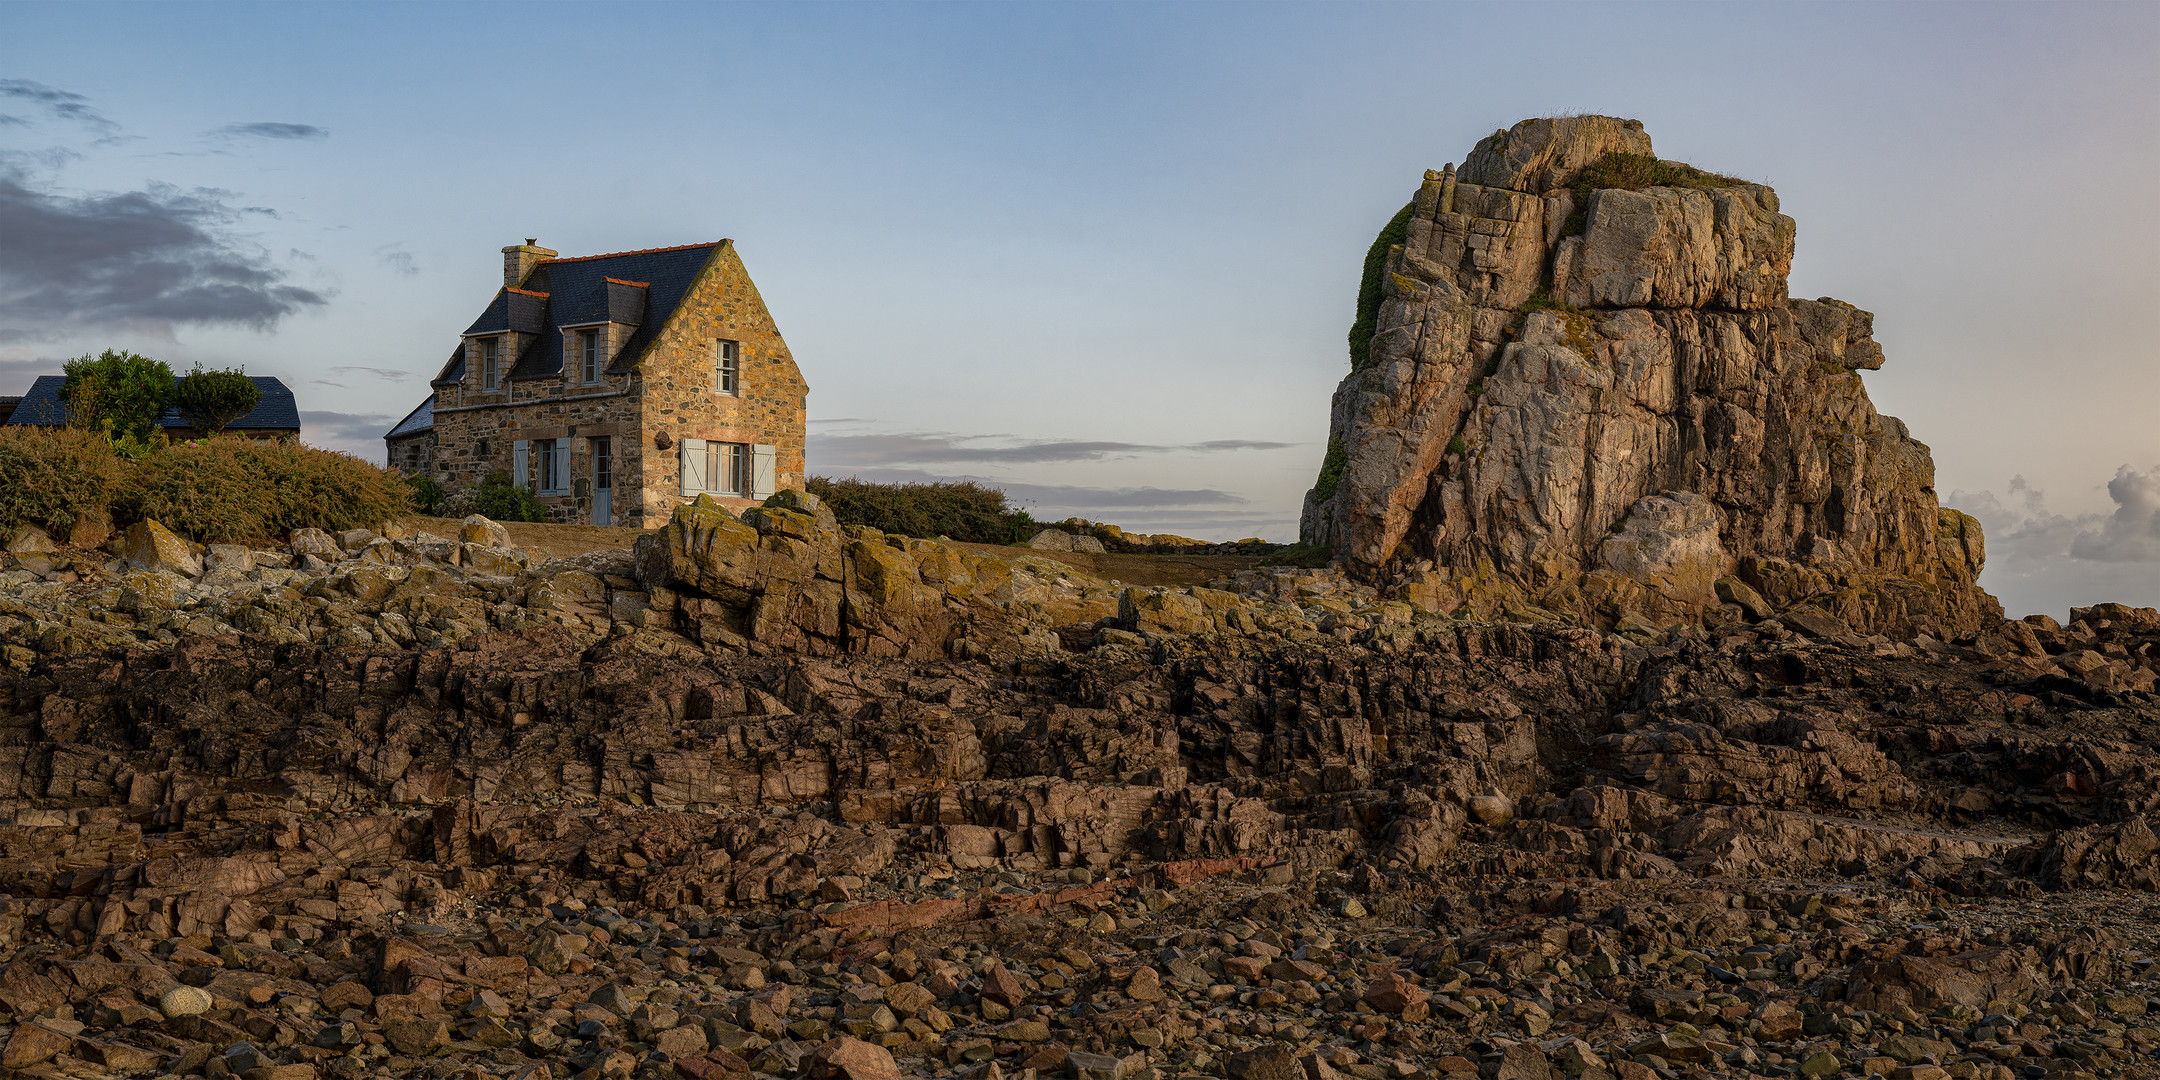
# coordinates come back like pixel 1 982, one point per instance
pixel 1578 322
pixel 1456 447
pixel 1306 556
pixel 1633 172
pixel 1369 287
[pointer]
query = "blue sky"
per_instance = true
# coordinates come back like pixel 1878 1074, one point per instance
pixel 1101 254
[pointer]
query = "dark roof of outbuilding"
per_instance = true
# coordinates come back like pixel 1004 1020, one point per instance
pixel 637 287
pixel 416 422
pixel 275 412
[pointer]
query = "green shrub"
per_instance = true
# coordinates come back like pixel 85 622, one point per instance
pixel 962 510
pixel 1455 447
pixel 118 395
pixel 427 494
pixel 1306 556
pixel 502 500
pixel 54 478
pixel 1369 289
pixel 212 399
pixel 233 490
pixel 1331 469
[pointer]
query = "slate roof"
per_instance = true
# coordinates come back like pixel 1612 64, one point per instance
pixel 275 412
pixel 453 369
pixel 419 420
pixel 642 288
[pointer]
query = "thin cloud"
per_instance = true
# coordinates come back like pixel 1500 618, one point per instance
pixel 1059 494
pixel 393 374
pixel 270 130
pixel 401 263
pixel 18 371
pixel 56 103
pixel 845 451
pixel 152 259
pixel 358 434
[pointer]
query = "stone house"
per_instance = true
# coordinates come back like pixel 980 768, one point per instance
pixel 616 387
pixel 276 416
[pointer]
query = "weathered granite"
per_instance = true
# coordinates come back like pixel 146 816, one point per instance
pixel 1545 390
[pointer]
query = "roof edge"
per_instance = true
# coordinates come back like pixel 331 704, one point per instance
pixel 725 245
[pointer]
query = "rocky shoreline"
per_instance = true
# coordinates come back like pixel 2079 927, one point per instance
pixel 779 798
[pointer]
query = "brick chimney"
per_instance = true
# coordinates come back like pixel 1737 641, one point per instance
pixel 519 261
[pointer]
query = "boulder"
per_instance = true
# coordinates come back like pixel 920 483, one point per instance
pixel 150 546
pixel 315 542
pixel 29 539
pixel 229 556
pixel 480 531
pixel 37 1042
pixel 91 529
pixel 1052 540
pixel 851 1059
pixel 1605 407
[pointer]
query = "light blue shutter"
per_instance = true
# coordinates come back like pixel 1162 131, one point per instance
pixel 763 471
pixel 693 466
pixel 518 470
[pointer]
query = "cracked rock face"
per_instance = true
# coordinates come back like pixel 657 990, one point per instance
pixel 1579 402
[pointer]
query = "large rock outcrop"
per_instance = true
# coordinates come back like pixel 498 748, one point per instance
pixel 1598 401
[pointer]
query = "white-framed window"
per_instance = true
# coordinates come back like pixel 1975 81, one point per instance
pixel 589 356
pixel 739 470
pixel 544 463
pixel 728 367
pixel 490 363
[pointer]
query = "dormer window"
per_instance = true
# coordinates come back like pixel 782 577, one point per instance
pixel 729 368
pixel 589 356
pixel 490 360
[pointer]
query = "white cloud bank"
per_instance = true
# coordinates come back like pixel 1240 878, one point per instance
pixel 2040 561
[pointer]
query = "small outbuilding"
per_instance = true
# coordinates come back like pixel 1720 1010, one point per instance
pixel 276 416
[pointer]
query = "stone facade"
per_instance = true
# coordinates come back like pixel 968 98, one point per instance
pixel 679 380
pixel 643 405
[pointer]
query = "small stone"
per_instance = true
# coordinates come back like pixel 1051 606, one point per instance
pixel 1271 1062
pixel 1821 1063
pixel 184 1001
pixel 1003 986
pixel 851 1059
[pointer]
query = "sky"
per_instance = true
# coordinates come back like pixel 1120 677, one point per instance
pixel 1100 255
